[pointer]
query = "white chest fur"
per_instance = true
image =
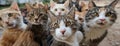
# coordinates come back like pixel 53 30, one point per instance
pixel 74 40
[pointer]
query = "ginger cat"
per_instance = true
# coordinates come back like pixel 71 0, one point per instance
pixel 13 21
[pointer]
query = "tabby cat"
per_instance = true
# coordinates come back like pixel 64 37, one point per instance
pixel 12 19
pixel 97 20
pixel 59 9
pixel 36 33
pixel 64 29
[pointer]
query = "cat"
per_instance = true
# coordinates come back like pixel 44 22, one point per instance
pixel 13 23
pixel 64 29
pixel 97 20
pixel 59 9
pixel 79 16
pixel 36 33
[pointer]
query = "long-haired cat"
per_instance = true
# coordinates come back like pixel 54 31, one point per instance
pixel 59 9
pixel 64 30
pixel 13 21
pixel 97 20
pixel 36 33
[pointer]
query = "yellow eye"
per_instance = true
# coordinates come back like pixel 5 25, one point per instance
pixel 96 14
pixel 68 23
pixel 55 25
pixel 108 15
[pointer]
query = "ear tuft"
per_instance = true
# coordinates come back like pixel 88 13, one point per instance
pixel 28 7
pixel 14 6
pixel 113 4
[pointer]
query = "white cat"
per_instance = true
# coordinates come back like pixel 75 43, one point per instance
pixel 59 9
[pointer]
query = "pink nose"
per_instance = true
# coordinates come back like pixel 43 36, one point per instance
pixel 102 19
pixel 59 13
pixel 62 31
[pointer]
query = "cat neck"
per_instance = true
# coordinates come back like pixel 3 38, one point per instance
pixel 93 33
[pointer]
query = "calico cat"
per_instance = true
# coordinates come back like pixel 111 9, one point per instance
pixel 97 20
pixel 59 9
pixel 36 33
pixel 13 22
pixel 64 29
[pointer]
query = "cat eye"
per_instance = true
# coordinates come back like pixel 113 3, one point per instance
pixel 55 25
pixel 10 14
pixel 108 15
pixel 0 18
pixel 96 14
pixel 55 9
pixel 63 9
pixel 68 23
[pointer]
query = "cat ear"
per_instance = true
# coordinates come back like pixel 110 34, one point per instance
pixel 113 4
pixel 71 13
pixel 52 3
pixel 14 6
pixel 91 4
pixel 82 4
pixel 52 16
pixel 28 7
pixel 66 4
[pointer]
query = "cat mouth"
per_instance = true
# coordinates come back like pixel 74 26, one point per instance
pixel 101 23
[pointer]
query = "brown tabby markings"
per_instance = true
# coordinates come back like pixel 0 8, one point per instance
pixel 36 33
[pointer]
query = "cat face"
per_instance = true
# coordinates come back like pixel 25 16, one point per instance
pixel 11 16
pixel 62 27
pixel 101 16
pixel 79 16
pixel 36 15
pixel 59 9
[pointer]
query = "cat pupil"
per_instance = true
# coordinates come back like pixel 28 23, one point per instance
pixel 96 14
pixel 0 18
pixel 62 9
pixel 10 14
pixel 55 9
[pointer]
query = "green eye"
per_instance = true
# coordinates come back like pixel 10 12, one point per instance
pixel 10 14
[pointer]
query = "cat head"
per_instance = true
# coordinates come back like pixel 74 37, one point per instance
pixel 37 14
pixel 11 16
pixel 62 27
pixel 101 16
pixel 79 16
pixel 59 9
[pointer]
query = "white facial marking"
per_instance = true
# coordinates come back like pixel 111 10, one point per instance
pixel 68 31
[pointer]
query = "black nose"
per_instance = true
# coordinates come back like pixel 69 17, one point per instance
pixel 36 19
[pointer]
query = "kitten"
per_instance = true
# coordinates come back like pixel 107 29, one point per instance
pixel 97 20
pixel 13 21
pixel 59 9
pixel 36 33
pixel 64 29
